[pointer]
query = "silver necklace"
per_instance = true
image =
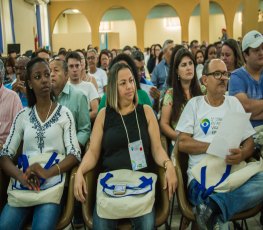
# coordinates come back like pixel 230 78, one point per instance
pixel 49 111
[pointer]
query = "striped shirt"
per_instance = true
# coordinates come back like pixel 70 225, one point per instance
pixel 10 105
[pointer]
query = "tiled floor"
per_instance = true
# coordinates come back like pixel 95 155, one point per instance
pixel 253 223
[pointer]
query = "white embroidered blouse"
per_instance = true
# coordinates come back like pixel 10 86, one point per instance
pixel 56 134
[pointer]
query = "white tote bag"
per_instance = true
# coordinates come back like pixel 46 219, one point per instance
pixel 51 189
pixel 125 194
pixel 215 169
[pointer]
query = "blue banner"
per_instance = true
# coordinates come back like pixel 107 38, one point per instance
pixel 39 33
pixel 12 21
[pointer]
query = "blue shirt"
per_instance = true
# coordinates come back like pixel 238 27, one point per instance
pixel 145 81
pixel 159 74
pixel 242 82
pixel 22 96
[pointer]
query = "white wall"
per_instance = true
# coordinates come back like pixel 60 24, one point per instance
pixel 194 29
pixel 24 21
pixel 155 32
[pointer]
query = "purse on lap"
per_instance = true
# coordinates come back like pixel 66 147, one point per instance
pixel 51 189
pixel 125 194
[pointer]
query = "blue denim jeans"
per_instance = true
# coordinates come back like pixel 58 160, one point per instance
pixel 45 216
pixel 245 197
pixel 145 222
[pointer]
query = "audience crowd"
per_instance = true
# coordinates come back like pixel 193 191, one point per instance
pixel 63 102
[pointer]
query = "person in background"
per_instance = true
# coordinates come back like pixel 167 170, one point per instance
pixel 194 46
pixel 84 75
pixel 184 86
pixel 200 59
pixel 10 105
pixel 153 92
pixel 74 70
pixel 18 85
pixel 44 54
pixel 62 54
pixel 114 53
pixel 44 127
pixel 231 55
pixel 210 52
pixel 104 60
pixel 218 46
pixel 154 59
pixel 224 35
pixel 127 50
pixel 160 72
pixel 110 144
pixel 75 100
pixel 9 70
pixel 99 74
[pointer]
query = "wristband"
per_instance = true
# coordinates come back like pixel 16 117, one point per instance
pixel 165 163
pixel 58 169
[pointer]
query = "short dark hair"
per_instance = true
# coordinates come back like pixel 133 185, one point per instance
pixel 192 42
pixel 31 97
pixel 137 55
pixel 73 55
pixel 206 67
pixel 42 50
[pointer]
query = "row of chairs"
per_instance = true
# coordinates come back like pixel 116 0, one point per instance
pixel 162 201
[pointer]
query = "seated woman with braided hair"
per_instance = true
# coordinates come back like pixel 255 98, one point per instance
pixel 46 129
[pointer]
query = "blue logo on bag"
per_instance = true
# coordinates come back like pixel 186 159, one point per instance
pixel 205 125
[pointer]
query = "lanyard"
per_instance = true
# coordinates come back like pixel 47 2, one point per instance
pixel 126 128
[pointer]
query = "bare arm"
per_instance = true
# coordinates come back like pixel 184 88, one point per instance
pixel 159 155
pixel 251 106
pixel 188 145
pixel 165 125
pixel 91 157
pixel 94 104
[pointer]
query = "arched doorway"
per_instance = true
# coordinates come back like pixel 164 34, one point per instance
pixel 194 25
pixel 162 23
pixel 117 29
pixel 216 22
pixel 71 31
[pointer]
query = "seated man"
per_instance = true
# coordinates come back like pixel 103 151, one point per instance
pixel 10 105
pixel 195 138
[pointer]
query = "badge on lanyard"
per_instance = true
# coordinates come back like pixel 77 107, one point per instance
pixel 137 155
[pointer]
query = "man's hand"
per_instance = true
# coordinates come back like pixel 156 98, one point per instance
pixel 236 156
pixel 19 86
pixel 155 93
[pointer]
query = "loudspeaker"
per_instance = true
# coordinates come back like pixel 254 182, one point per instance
pixel 13 48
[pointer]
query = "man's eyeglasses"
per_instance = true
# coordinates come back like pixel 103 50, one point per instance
pixel 20 68
pixel 71 66
pixel 218 75
pixel 91 58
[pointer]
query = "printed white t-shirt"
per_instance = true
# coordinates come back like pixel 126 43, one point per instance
pixel 202 121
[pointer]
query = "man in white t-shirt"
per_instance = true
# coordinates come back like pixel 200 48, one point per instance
pixel 74 70
pixel 198 125
pixel 99 74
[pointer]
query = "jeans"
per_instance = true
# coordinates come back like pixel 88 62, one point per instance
pixel 245 197
pixel 145 222
pixel 45 216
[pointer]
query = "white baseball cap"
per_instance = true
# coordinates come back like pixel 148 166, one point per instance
pixel 252 39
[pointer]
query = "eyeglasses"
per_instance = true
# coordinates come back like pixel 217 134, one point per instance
pixel 71 66
pixel 20 68
pixel 91 58
pixel 218 75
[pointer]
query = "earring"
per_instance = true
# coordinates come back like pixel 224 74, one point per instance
pixel 178 78
pixel 30 87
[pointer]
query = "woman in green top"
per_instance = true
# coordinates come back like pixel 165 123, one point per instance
pixel 142 95
pixel 183 86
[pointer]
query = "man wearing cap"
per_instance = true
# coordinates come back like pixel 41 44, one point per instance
pixel 246 83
